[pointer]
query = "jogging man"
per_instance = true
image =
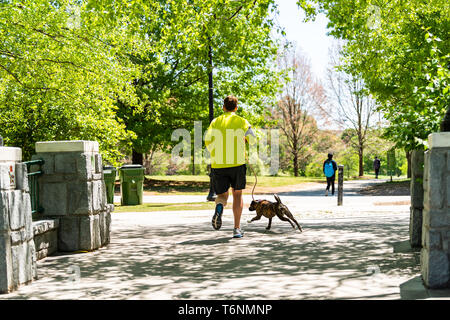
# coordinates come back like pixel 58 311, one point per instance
pixel 225 140
pixel 329 169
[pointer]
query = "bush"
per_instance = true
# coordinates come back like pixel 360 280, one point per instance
pixel 314 169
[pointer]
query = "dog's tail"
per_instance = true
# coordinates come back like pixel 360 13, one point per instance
pixel 277 198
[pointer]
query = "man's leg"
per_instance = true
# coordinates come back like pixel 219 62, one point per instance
pixel 332 185
pixel 221 202
pixel 238 205
pixel 222 198
pixel 211 195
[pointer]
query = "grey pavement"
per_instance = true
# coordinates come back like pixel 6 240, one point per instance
pixel 346 252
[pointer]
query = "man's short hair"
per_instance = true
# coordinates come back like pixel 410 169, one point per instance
pixel 230 103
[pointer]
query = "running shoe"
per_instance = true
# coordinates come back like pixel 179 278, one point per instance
pixel 237 233
pixel 217 217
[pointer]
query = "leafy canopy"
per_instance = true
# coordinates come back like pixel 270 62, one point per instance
pixel 401 51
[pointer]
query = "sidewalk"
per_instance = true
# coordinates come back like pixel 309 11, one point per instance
pixel 351 252
pixel 177 255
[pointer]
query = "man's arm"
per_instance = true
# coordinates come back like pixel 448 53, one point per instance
pixel 208 136
pixel 250 132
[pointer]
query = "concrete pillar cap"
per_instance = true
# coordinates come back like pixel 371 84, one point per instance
pixel 439 140
pixel 10 154
pixel 67 146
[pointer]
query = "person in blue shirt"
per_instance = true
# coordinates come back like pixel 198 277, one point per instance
pixel 329 169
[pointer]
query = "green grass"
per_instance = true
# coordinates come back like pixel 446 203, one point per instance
pixel 150 207
pixel 199 184
pixel 263 181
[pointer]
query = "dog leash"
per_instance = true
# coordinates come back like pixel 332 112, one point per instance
pixel 256 179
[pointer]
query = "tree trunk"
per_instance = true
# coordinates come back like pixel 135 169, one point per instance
pixel 295 154
pixel 137 158
pixel 408 158
pixel 361 161
pixel 295 165
pixel 210 86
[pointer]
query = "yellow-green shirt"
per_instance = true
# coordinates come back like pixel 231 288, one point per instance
pixel 225 140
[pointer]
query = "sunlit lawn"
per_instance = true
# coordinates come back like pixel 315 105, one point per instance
pixel 263 181
pixel 199 184
pixel 149 207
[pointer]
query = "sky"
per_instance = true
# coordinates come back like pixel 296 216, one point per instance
pixel 310 37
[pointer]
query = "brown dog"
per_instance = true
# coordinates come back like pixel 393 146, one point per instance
pixel 271 209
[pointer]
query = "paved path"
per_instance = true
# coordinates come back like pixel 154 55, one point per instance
pixel 176 255
pixel 342 254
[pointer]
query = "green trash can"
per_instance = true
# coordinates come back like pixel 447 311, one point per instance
pixel 131 184
pixel 109 175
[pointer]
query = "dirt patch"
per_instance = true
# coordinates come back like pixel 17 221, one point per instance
pixel 400 188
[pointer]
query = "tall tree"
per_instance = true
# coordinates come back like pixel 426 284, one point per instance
pixel 229 40
pixel 350 105
pixel 61 71
pixel 301 97
pixel 401 50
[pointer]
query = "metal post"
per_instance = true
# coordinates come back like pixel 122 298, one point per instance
pixel 340 184
pixel 1 141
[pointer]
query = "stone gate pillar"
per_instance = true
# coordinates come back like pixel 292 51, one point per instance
pixel 17 250
pixel 435 254
pixel 416 188
pixel 72 189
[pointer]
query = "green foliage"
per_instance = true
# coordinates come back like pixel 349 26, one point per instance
pixel 173 89
pixel 350 160
pixel 314 169
pixel 60 72
pixel 401 51
pixel 120 71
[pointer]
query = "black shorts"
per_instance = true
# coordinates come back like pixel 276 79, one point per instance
pixel 224 178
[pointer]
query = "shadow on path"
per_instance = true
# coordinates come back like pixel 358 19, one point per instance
pixel 332 259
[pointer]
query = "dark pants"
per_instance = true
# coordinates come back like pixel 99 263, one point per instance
pixel 376 173
pixel 330 182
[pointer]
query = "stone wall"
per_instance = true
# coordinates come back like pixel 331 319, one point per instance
pixel 72 189
pixel 45 237
pixel 435 253
pixel 415 222
pixel 17 249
